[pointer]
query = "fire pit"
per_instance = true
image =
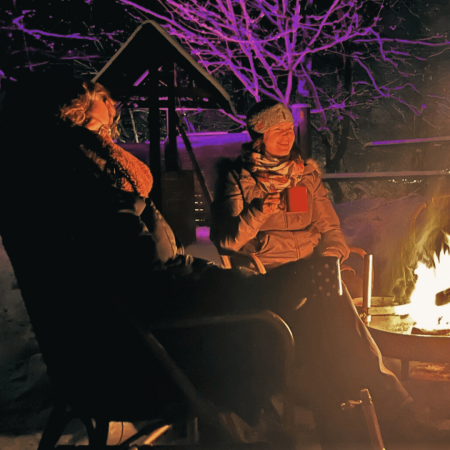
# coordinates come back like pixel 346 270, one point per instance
pixel 397 328
pixel 392 333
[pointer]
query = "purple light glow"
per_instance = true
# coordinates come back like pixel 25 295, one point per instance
pixel 80 58
pixel 226 34
pixel 38 33
pixel 279 60
pixel 301 89
pixel 141 78
pixel 407 141
pixel 202 234
pixel 405 41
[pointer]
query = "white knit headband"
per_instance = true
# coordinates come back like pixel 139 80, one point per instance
pixel 269 117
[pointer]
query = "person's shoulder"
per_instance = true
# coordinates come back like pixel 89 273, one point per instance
pixel 312 174
pixel 241 167
pixel 231 177
pixel 312 166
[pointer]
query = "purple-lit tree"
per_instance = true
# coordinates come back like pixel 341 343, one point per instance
pixel 37 35
pixel 275 48
pixel 338 55
pixel 341 56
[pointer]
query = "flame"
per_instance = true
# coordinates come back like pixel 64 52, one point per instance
pixel 423 309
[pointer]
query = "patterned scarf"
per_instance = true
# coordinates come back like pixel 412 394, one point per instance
pixel 125 171
pixel 271 174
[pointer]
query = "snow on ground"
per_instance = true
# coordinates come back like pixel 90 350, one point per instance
pixel 25 394
pixel 378 226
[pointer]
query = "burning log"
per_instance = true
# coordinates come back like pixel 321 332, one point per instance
pixel 431 372
pixel 443 298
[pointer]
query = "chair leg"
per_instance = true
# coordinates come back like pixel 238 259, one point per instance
pixel 192 431
pixel 370 416
pixel 101 433
pixel 371 420
pixel 97 435
pixel 87 422
pixel 57 422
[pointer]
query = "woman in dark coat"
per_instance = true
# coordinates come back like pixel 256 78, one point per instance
pixel 79 230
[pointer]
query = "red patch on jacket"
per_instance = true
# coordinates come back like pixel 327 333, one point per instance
pixel 297 199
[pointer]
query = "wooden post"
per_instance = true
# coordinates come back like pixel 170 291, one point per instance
pixel 302 125
pixel 154 135
pixel 198 171
pixel 172 161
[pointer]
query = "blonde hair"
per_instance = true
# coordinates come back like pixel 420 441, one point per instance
pixel 77 111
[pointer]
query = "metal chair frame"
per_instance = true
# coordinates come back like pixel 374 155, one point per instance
pixel 201 408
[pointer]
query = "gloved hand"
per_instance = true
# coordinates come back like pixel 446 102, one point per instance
pixel 271 203
pixel 332 251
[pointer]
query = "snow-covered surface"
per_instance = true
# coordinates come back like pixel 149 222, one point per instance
pixel 378 226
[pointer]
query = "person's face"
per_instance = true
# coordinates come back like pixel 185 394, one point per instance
pixel 279 138
pixel 99 113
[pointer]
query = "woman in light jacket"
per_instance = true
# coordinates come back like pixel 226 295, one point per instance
pixel 256 223
pixel 251 210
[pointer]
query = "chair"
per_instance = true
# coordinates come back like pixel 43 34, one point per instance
pixel 370 417
pixel 97 421
pixel 229 258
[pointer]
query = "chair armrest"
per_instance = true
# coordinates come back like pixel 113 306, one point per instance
pixel 204 409
pixel 271 319
pixel 227 262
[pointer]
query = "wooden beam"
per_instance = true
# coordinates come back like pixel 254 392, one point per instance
pixel 171 159
pixel 301 114
pixel 163 91
pixel 381 175
pixel 154 138
pixel 197 169
pixel 163 103
pixel 407 141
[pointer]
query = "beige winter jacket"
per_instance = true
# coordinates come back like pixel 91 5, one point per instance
pixel 238 225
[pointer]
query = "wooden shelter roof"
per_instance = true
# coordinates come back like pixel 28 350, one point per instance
pixel 151 45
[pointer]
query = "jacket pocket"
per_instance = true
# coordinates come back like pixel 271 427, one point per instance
pixel 300 220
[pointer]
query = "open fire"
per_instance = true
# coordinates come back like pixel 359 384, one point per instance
pixel 429 305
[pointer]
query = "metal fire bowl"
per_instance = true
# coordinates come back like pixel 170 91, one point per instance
pixel 389 334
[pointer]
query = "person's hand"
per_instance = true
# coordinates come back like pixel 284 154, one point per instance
pixel 271 203
pixel 332 252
